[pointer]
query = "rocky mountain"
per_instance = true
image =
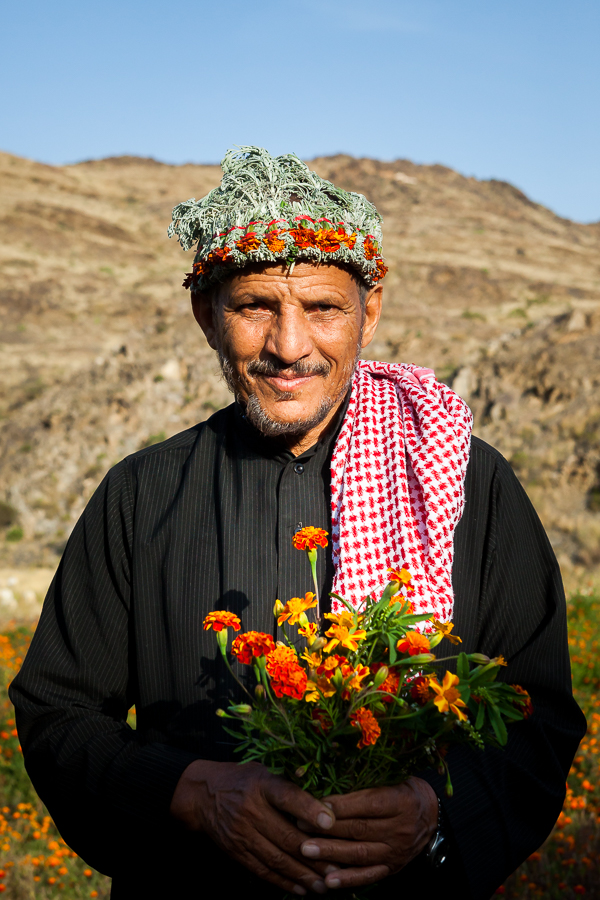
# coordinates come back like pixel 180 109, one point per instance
pixel 100 354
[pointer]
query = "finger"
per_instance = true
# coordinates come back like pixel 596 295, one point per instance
pixel 371 830
pixel 354 878
pixel 257 868
pixel 275 865
pixel 282 833
pixel 349 853
pixel 298 803
pixel 372 803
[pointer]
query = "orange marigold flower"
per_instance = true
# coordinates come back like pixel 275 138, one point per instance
pixel 364 719
pixel 201 267
pixel 413 643
pixel 222 619
pixel 390 685
pixel 292 682
pixel 382 270
pixel 281 656
pixel 329 664
pixel 295 607
pixel 348 239
pixel 218 255
pixel 402 575
pixel 310 538
pixel 370 248
pixel 405 606
pixel 448 698
pixel 88 873
pixel 249 243
pixel 358 675
pixel 499 660
pixel 525 705
pixel 328 240
pixel 250 644
pixel 445 628
pixel 321 719
pixel 419 689
pixel 303 237
pixel 339 634
pixel 274 241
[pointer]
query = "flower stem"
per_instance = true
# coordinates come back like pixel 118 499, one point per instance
pixel 312 558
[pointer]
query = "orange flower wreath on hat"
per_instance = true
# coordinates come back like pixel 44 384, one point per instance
pixel 275 209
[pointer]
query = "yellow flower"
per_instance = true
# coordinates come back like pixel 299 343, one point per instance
pixel 295 607
pixel 339 634
pixel 445 628
pixel 448 699
pixel 313 659
pixel 309 632
pixel 322 687
pixel 499 660
pixel 344 618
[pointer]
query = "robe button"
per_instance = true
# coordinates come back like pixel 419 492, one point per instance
pixel 298 468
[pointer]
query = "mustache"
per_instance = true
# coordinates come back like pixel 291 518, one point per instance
pixel 272 368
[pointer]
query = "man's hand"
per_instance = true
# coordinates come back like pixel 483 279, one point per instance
pixel 241 807
pixel 377 832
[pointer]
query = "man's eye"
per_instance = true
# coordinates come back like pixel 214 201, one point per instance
pixel 258 304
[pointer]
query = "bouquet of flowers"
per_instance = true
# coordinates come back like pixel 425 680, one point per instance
pixel 363 704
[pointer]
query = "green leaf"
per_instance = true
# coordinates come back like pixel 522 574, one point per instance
pixel 392 645
pixel 480 717
pixel 462 666
pixel 413 618
pixel 498 725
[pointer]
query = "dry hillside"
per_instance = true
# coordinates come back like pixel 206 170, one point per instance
pixel 100 355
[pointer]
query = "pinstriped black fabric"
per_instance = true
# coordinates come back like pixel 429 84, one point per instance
pixel 204 521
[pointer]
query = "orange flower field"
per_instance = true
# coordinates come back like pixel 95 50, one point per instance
pixel 35 862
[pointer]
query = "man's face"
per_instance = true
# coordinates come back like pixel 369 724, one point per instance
pixel 288 343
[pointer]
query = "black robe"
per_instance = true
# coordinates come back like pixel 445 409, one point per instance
pixel 204 521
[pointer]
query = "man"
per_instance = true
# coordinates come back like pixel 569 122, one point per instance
pixel 286 287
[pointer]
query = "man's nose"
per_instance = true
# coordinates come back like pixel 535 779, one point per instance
pixel 289 337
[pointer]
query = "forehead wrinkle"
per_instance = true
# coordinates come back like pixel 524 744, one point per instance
pixel 281 290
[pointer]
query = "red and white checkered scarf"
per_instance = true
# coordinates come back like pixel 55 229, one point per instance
pixel 397 484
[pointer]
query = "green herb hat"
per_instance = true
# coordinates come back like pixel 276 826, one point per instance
pixel 274 209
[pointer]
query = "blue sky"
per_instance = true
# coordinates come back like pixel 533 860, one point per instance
pixel 507 90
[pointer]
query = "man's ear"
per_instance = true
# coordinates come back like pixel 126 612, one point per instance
pixel 203 308
pixel 372 313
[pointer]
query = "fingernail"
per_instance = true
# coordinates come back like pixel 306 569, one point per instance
pixel 324 821
pixel 318 887
pixel 333 882
pixel 297 889
pixel 310 849
pixel 331 868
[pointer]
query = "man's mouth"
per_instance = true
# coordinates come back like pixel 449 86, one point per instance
pixel 288 383
pixel 288 380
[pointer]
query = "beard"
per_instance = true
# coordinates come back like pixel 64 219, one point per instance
pixel 257 414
